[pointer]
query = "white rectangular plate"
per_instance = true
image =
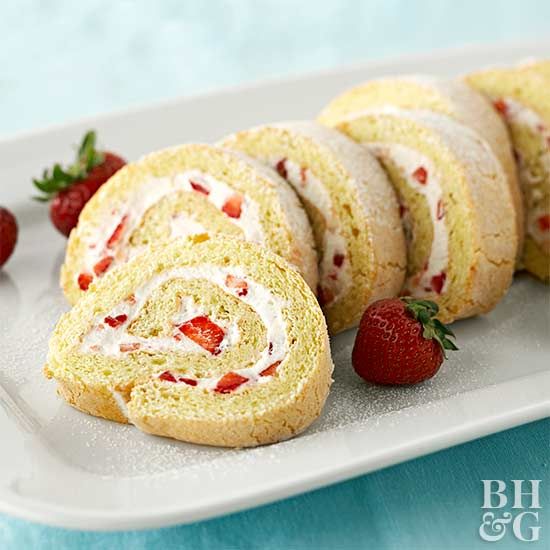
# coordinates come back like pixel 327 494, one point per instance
pixel 65 468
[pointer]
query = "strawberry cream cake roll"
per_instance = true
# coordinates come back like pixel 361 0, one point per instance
pixel 185 190
pixel 522 96
pixel 456 207
pixel 452 98
pixel 205 339
pixel 352 208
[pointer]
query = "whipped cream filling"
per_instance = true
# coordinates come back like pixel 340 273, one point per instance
pixel 420 174
pixel 183 226
pixel 538 218
pixel 104 251
pixel 334 266
pixel 116 341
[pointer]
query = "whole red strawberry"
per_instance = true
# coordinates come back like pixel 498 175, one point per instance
pixel 8 235
pixel 71 188
pixel 400 341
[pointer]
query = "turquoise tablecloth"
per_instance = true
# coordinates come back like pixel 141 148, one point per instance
pixel 60 60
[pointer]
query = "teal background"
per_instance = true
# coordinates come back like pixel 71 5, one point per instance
pixel 61 60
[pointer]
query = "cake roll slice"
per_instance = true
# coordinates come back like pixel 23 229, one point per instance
pixel 453 98
pixel 521 95
pixel 185 190
pixel 352 208
pixel 205 339
pixel 455 203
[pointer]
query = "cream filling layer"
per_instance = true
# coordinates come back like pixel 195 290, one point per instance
pixel 334 265
pixel 128 214
pixel 108 340
pixel 421 175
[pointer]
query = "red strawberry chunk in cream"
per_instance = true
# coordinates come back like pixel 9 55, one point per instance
pixel 229 382
pixel 544 222
pixel 188 381
pixel 270 371
pixel 115 322
pixel 199 188
pixel 117 233
pixel 103 265
pixel 233 206
pixel 500 106
pixel 84 281
pixel 167 376
pixel 203 332
pixel 281 168
pixel 420 175
pixel 438 281
pixel 338 260
pixel 240 285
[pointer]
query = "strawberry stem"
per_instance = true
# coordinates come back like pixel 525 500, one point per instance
pixel 424 311
pixel 55 180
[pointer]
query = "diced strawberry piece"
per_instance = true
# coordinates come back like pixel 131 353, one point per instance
pixel 324 295
pixel 281 168
pixel 438 281
pixel 129 347
pixel 420 175
pixel 338 260
pixel 167 376
pixel 240 285
pixel 199 188
pixel 117 233
pixel 500 106
pixel 103 265
pixel 115 322
pixel 544 222
pixel 440 209
pixel 233 206
pixel 270 371
pixel 188 381
pixel 303 175
pixel 203 332
pixel 229 382
pixel 84 280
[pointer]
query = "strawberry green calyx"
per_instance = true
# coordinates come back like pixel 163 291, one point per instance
pixel 59 178
pixel 424 311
